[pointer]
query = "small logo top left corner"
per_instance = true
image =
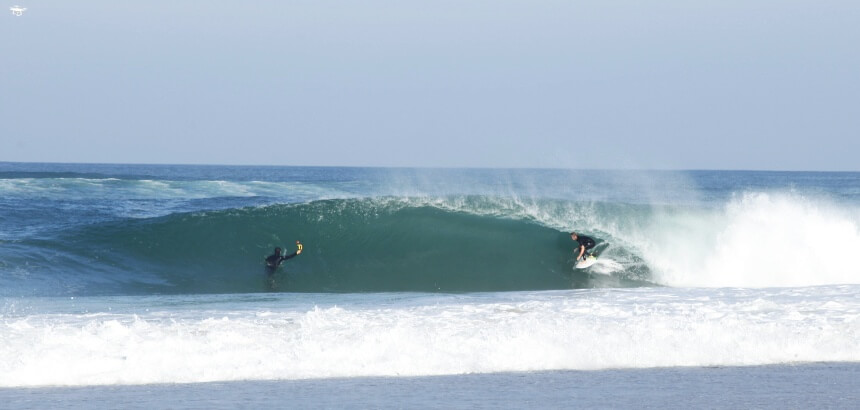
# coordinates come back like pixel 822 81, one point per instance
pixel 18 10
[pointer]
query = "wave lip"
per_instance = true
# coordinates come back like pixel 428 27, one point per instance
pixel 578 330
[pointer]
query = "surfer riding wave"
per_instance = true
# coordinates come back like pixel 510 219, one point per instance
pixel 585 243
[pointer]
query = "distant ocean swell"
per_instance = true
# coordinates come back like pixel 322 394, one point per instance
pixel 445 244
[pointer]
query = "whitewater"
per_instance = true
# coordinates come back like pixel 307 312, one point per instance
pixel 126 275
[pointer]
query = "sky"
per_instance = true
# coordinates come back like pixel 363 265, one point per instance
pixel 610 84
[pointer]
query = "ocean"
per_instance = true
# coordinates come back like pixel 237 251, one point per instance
pixel 148 282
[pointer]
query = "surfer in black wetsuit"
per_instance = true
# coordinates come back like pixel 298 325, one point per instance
pixel 585 243
pixel 274 260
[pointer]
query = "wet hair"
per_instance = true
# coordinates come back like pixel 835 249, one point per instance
pixel 277 250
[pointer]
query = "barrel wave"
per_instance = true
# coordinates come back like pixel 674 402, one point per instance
pixel 351 245
pixel 126 236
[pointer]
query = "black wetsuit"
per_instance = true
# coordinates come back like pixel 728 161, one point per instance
pixel 274 260
pixel 585 241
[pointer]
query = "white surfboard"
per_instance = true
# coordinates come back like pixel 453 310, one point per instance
pixel 589 260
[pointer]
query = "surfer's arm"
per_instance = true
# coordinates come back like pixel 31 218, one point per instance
pixel 292 255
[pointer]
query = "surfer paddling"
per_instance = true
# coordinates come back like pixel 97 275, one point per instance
pixel 585 243
pixel 274 260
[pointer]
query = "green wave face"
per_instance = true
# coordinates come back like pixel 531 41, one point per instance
pixel 352 245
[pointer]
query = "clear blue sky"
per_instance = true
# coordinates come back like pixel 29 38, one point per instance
pixel 771 84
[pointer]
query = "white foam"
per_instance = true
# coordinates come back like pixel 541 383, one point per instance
pixel 756 240
pixel 606 266
pixel 457 334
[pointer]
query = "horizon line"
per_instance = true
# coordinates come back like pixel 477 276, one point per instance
pixel 426 167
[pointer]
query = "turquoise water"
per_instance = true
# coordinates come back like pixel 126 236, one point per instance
pixel 139 275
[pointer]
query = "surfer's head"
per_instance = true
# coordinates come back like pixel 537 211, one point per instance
pixel 277 251
pixel 573 236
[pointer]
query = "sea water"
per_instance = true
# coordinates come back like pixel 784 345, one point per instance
pixel 135 275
